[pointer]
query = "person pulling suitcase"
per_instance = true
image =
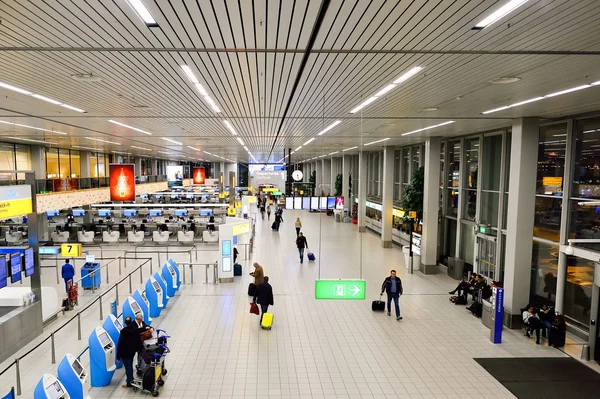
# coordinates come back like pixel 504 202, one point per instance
pixel 392 286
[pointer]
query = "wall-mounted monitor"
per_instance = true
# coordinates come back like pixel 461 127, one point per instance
pixel 129 213
pixel 289 203
pixel 206 212
pixel 297 202
pixel 54 213
pixel 2 271
pixel 104 213
pixel 29 266
pixel 314 203
pixel 78 212
pixel 155 212
pixel 15 267
pixel 181 212
pixel 226 248
pixel 306 203
pixel 322 202
pixel 330 202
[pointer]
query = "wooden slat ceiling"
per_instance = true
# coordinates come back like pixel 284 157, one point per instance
pixel 359 48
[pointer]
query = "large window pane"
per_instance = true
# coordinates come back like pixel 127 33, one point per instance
pixel 547 218
pixel 544 269
pixel 551 159
pixel 453 168
pixel 489 208
pixel 586 173
pixel 578 291
pixel 491 162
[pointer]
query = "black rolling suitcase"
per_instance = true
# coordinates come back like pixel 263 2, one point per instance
pixel 378 305
pixel 251 289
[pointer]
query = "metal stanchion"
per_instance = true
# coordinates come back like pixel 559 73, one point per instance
pixel 101 311
pixel 18 369
pixel 130 286
pixel 79 326
pixel 53 349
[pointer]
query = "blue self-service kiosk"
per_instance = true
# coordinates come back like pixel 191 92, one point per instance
pixel 50 387
pixel 176 268
pixel 155 297
pixel 170 279
pixel 130 308
pixel 73 377
pixel 163 285
pixel 113 327
pixel 102 357
pixel 140 298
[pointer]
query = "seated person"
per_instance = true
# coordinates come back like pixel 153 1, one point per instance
pixel 532 322
pixel 546 316
pixel 464 286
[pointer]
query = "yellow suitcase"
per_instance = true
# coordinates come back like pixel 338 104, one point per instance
pixel 267 321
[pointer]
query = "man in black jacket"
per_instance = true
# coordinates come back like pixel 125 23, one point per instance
pixel 264 297
pixel 127 347
pixel 392 286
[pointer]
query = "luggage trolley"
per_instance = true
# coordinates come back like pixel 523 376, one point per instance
pixel 151 367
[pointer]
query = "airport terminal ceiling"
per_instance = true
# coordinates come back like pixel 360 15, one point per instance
pixel 245 80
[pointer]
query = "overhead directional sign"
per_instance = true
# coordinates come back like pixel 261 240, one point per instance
pixel 340 289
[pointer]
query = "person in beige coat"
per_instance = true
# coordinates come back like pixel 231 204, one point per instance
pixel 258 274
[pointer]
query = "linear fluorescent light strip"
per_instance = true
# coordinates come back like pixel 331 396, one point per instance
pixel 328 128
pixel 427 128
pixel 378 141
pixel 31 140
pixel 33 127
pixel 351 148
pixel 171 141
pixel 190 75
pixel 142 12
pixel 403 78
pixel 141 148
pixel 500 13
pixel 103 141
pixel 555 94
pixel 130 127
pixel 40 97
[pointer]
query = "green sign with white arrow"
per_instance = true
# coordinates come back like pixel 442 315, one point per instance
pixel 340 289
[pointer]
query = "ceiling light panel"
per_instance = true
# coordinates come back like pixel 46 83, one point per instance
pixel 401 79
pixel 39 97
pixel 207 98
pixel 427 128
pixel 142 12
pixel 130 127
pixel 500 13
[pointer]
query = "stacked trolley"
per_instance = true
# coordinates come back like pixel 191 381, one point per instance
pixel 151 363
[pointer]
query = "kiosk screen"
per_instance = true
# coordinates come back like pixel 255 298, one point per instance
pixel 77 367
pixel 104 339
pixel 54 391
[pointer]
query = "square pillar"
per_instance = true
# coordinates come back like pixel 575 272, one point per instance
pixel 431 203
pixel 362 192
pixel 520 218
pixel 387 197
pixel 346 159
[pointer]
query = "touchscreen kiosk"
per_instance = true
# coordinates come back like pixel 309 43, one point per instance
pixel 50 387
pixel 170 279
pixel 113 327
pixel 102 357
pixel 131 308
pixel 141 300
pixel 176 268
pixel 163 285
pixel 154 294
pixel 73 377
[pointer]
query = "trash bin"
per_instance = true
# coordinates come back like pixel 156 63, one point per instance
pixel 89 280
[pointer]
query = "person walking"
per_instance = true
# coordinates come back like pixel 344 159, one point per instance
pixel 298 226
pixel 269 212
pixel 301 243
pixel 264 297
pixel 392 286
pixel 68 272
pixel 258 274
pixel 127 346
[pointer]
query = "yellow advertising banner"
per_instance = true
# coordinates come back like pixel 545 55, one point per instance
pixel 68 250
pixel 241 228
pixel 15 201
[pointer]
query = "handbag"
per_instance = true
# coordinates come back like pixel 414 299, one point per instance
pixel 254 308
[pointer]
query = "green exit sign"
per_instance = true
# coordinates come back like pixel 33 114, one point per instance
pixel 340 289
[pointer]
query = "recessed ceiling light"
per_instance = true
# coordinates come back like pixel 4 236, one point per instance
pixel 33 127
pixel 103 141
pixel 31 140
pixel 142 12
pixel 499 13
pixel 430 109
pixel 505 80
pixel 130 127
pixel 86 77
pixel 40 97
pixel 427 128
pixel 171 141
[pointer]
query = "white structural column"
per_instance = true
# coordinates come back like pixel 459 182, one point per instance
pixel 431 203
pixel 520 218
pixel 362 191
pixel 387 197
pixel 346 159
